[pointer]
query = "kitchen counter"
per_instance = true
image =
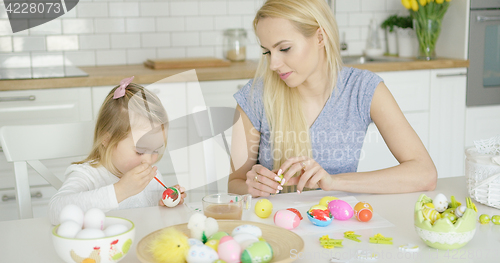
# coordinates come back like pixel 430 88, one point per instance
pixel 111 75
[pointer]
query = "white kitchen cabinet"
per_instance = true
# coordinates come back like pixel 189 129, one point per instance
pixel 482 123
pixel 447 121
pixel 433 102
pixel 38 107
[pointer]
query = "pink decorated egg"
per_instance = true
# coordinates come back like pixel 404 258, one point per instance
pixel 340 209
pixel 229 250
pixel 286 219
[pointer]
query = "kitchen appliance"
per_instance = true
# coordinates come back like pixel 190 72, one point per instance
pixel 483 77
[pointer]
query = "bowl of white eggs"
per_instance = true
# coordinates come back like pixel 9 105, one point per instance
pixel 91 236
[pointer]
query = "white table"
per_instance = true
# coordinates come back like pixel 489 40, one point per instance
pixel 29 240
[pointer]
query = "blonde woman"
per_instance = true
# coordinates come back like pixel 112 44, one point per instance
pixel 130 136
pixel 304 116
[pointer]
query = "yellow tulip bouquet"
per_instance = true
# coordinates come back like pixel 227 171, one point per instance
pixel 427 17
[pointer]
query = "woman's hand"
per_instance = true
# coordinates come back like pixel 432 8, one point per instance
pixel 183 195
pixel 312 175
pixel 134 181
pixel 262 182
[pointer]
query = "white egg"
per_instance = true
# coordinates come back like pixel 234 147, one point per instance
pixel 201 254
pixel 94 218
pixel 69 229
pixel 115 229
pixel 459 211
pixel 90 233
pixel 73 213
pixel 440 202
pixel 248 229
pixel 194 242
pixel 245 239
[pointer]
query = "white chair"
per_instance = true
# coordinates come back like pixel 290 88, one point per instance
pixel 28 144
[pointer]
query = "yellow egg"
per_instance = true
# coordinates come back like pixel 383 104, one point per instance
pixel 429 205
pixel 321 207
pixel 325 200
pixel 214 244
pixel 431 214
pixel 263 208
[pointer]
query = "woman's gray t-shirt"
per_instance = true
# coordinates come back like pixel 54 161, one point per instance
pixel 337 134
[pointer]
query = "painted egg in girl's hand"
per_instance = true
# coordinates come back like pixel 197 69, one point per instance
pixel 171 197
pixel 286 219
pixel 340 209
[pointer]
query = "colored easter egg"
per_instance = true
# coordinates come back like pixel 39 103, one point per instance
pixel 171 197
pixel 201 254
pixel 263 208
pixel 363 211
pixel 296 212
pixel 249 229
pixel 286 219
pixel 259 251
pixel 317 222
pixel 194 242
pixel 484 219
pixel 213 244
pixel 450 215
pixel 245 239
pixel 340 209
pixel 326 199
pixel 459 211
pixel 229 250
pixel 218 235
pixel 440 202
pixel 431 214
pixel 495 219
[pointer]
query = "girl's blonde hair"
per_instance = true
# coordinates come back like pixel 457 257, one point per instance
pixel 114 124
pixel 289 130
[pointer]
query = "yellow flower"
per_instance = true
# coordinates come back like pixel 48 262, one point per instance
pixel 406 4
pixel 423 2
pixel 439 1
pixel 448 0
pixel 414 5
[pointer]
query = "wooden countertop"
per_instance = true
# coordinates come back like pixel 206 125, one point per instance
pixel 111 75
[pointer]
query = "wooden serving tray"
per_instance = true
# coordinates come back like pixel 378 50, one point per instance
pixel 186 63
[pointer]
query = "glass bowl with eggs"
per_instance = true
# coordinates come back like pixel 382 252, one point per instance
pixel 91 236
pixel 444 224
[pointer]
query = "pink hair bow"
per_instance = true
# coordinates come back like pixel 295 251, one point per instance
pixel 120 91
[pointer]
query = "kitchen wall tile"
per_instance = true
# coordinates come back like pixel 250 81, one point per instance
pixel 119 41
pixel 79 58
pixel 199 23
pixel 170 24
pixel 395 7
pixel 248 22
pixel 260 3
pixel 254 51
pixel 5 28
pixel 351 33
pixel 211 38
pixel 15 73
pixel 342 19
pixel 28 43
pixel 15 60
pixel 155 40
pixel 94 41
pixel 109 25
pixel 53 27
pixel 111 57
pixel 77 26
pixel 5 44
pixel 251 37
pixel 70 14
pixel 47 59
pixel 183 8
pixel 343 6
pixel 3 11
pixel 200 52
pixel 219 52
pixel 138 56
pixel 225 22
pixel 182 39
pixel 92 9
pixel 154 8
pixel 241 7
pixel 66 42
pixel 48 72
pixel 124 9
pixel 356 47
pixel 213 8
pixel 172 52
pixel 359 19
pixel 140 24
pixel 372 5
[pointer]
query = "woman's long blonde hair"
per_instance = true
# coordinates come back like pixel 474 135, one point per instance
pixel 289 130
pixel 113 122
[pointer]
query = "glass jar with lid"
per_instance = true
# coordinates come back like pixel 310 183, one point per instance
pixel 235 44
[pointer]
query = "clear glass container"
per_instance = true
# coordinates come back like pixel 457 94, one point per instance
pixel 235 44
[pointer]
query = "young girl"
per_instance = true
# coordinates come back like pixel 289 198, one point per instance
pixel 305 114
pixel 129 137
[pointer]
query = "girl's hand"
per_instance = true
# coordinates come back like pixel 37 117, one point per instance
pixel 183 195
pixel 262 182
pixel 134 181
pixel 312 175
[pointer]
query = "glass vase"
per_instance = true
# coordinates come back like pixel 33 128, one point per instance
pixel 427 31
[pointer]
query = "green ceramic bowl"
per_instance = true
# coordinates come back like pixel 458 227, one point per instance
pixel 443 234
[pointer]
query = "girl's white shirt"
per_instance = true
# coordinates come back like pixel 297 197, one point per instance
pixel 89 187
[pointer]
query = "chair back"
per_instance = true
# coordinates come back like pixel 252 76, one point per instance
pixel 28 144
